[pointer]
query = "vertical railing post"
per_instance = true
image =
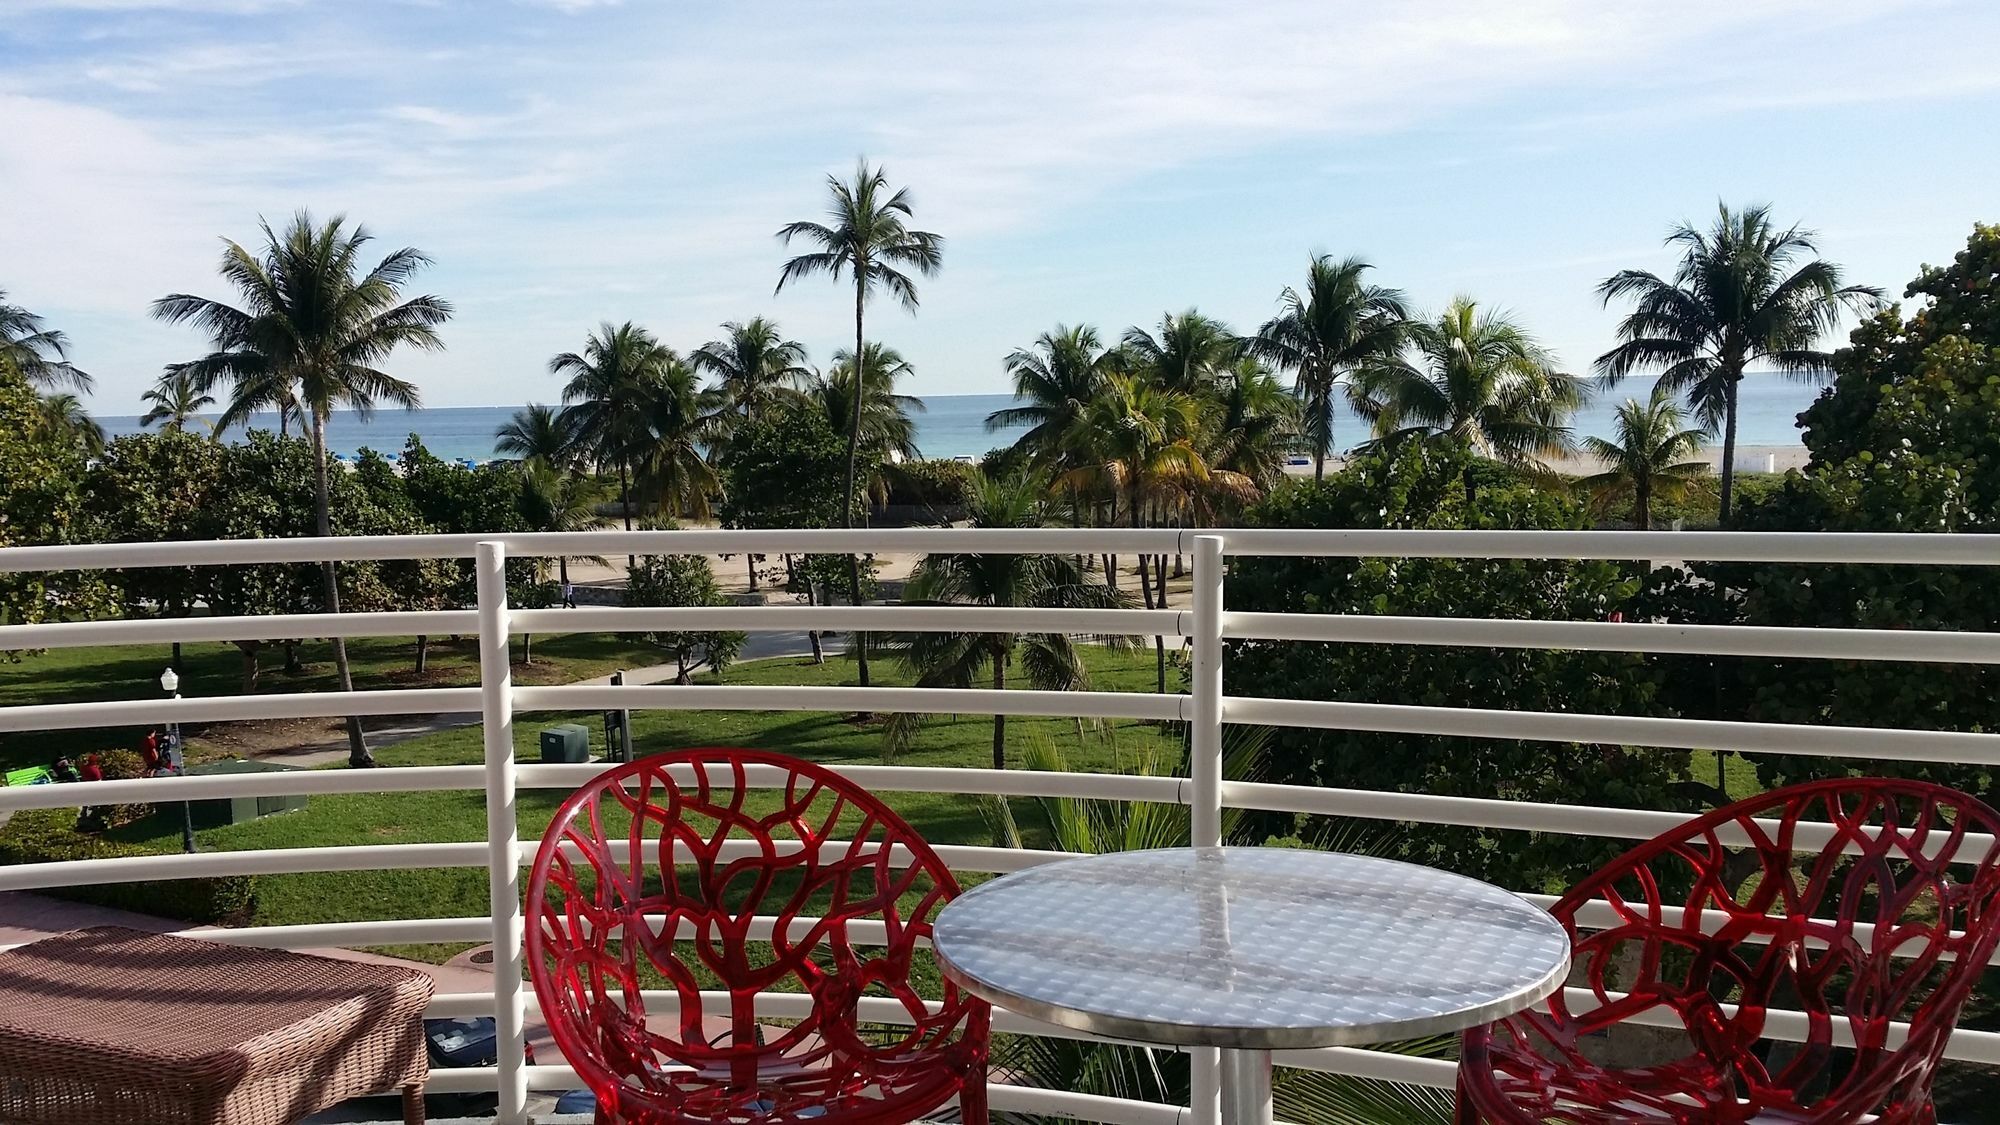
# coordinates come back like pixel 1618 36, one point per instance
pixel 503 840
pixel 1205 774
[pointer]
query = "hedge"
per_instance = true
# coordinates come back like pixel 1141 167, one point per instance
pixel 50 836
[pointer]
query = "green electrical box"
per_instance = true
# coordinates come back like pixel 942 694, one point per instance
pixel 218 811
pixel 568 742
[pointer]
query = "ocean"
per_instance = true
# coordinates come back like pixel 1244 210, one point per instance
pixel 955 425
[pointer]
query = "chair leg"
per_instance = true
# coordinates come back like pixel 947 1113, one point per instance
pixel 972 1100
pixel 1466 1113
pixel 413 1104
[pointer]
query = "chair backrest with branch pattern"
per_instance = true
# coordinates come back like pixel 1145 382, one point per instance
pixel 1860 903
pixel 715 875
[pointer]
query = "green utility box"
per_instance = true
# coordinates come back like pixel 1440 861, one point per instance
pixel 568 742
pixel 218 811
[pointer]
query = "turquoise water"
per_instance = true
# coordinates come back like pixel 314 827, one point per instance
pixel 954 425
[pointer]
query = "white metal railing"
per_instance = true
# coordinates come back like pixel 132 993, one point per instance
pixel 1205 626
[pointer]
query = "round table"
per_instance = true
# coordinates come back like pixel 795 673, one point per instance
pixel 1251 950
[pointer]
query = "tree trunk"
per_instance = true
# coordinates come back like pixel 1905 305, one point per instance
pixel 1642 504
pixel 859 639
pixel 1728 447
pixel 177 658
pixel 249 649
pixel 625 505
pixel 1000 721
pixel 423 653
pixel 681 663
pixel 750 561
pixel 293 665
pixel 1111 560
pixel 527 649
pixel 357 744
pixel 562 568
pixel 1146 590
pixel 1322 441
pixel 812 635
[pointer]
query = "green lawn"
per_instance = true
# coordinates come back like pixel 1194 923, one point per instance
pixel 88 675
pixel 404 818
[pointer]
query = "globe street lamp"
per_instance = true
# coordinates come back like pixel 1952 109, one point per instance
pixel 170 682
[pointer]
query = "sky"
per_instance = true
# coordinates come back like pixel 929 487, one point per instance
pixel 569 162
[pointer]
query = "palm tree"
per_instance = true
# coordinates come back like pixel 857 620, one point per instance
pixel 868 240
pixel 677 421
pixel 1054 381
pixel 1186 354
pixel 176 401
pixel 1475 379
pixel 1735 299
pixel 1652 458
pixel 1254 425
pixel 610 382
pixel 751 364
pixel 887 430
pixel 312 327
pixel 1138 438
pixel 65 421
pixel 552 500
pixel 540 437
pixel 35 353
pixel 1050 661
pixel 1339 323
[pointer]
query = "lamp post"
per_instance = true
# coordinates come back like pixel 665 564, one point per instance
pixel 170 682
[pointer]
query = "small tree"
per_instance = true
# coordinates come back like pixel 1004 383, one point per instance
pixel 1649 460
pixel 684 580
pixel 153 488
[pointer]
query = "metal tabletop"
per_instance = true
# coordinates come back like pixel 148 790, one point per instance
pixel 1250 948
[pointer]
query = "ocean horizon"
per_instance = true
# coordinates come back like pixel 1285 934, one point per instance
pixel 955 425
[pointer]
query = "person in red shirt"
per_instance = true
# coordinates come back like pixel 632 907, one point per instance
pixel 91 769
pixel 150 750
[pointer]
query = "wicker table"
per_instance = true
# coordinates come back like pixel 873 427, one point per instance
pixel 1250 949
pixel 110 1026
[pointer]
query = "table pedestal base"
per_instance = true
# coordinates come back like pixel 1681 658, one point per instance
pixel 1246 1088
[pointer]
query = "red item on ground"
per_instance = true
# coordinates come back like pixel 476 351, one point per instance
pixel 1839 898
pixel 90 770
pixel 832 864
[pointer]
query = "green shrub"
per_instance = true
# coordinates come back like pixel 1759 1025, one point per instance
pixel 50 836
pixel 931 484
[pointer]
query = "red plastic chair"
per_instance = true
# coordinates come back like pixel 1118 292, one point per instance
pixel 651 877
pixel 1877 921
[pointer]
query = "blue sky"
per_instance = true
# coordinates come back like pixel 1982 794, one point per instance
pixel 572 162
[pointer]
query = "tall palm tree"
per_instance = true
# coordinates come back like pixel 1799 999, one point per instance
pixel 1054 381
pixel 36 353
pixel 869 240
pixel 887 430
pixel 1255 424
pixel 751 363
pixel 177 400
pixel 311 325
pixel 65 421
pixel 1337 324
pixel 1139 438
pixel 1652 458
pixel 1049 661
pixel 540 437
pixel 552 500
pixel 1735 299
pixel 678 422
pixel 1476 379
pixel 1186 354
pixel 609 385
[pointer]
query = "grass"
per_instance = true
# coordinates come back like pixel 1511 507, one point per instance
pixel 90 675
pixel 411 818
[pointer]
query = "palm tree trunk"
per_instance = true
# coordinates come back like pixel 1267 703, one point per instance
pixel 423 653
pixel 1000 721
pixel 750 561
pixel 1111 560
pixel 562 569
pixel 357 745
pixel 1642 503
pixel 1146 589
pixel 854 461
pixel 1728 447
pixel 625 505
pixel 249 649
pixel 1322 409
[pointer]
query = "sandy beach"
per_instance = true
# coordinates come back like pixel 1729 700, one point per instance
pixel 1749 459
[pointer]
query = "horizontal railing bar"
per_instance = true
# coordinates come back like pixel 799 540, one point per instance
pixel 1694 734
pixel 274 627
pixel 240 708
pixel 344 935
pixel 1714 546
pixel 945 701
pixel 1926 645
pixel 1789 1026
pixel 908 779
pixel 202 787
pixel 1526 816
pixel 847 618
pixel 263 861
pixel 1832 548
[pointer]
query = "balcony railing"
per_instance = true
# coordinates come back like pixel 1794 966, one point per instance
pixel 1204 708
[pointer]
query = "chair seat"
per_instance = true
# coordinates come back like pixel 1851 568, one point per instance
pixel 848 1090
pixel 1690 1091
